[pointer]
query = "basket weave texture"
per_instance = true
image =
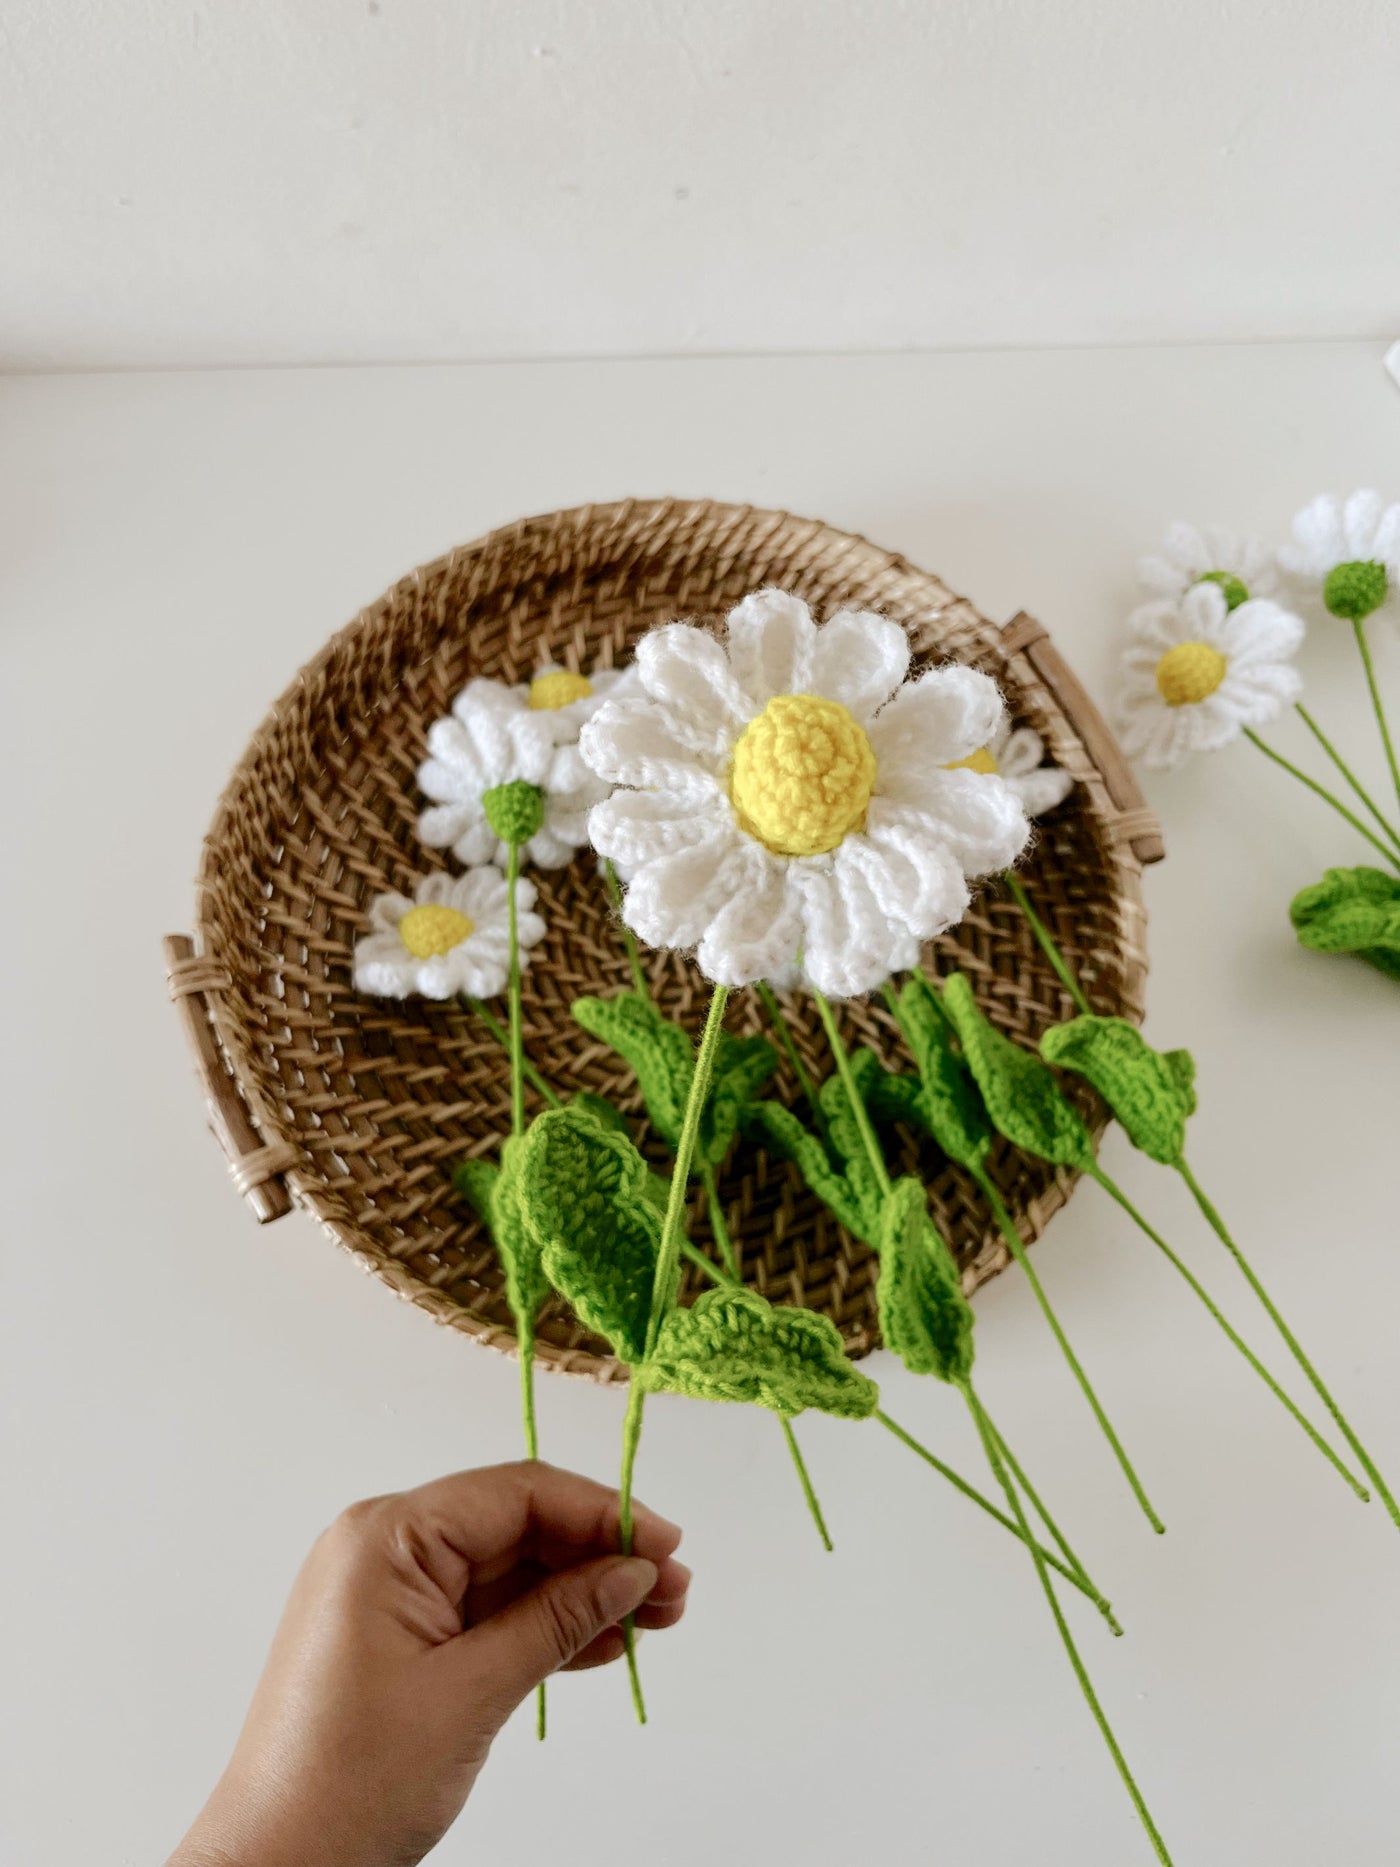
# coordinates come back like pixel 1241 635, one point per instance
pixel 361 1107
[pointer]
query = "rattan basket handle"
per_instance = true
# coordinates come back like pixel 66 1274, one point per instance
pixel 257 1168
pixel 1133 823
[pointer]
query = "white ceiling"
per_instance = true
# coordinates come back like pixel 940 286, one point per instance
pixel 367 180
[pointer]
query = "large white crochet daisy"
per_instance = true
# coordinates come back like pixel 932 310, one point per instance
pixel 565 698
pixel 1243 567
pixel 1017 755
pixel 453 936
pixel 790 795
pixel 490 743
pixel 1197 673
pixel 1351 548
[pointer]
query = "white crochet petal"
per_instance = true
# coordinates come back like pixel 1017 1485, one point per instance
pixel 1019 753
pixel 1188 550
pixel 530 930
pixel 671 900
pixel 385 913
pixel 913 875
pixel 978 818
pixel 481 894
pixel 1155 627
pixel 462 828
pixel 438 976
pixel 1205 616
pixel 1258 695
pixel 629 742
pixel 859 659
pixel 1160 576
pixel 382 965
pixel 771 642
pixel 1318 542
pixel 757 931
pixel 547 849
pixel 944 716
pixel 849 945
pixel 482 974
pixel 1262 631
pixel 1385 546
pixel 1360 516
pixel 1040 790
pixel 453 767
pixel 687 671
pixel 633 827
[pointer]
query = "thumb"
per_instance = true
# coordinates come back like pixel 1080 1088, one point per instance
pixel 540 1632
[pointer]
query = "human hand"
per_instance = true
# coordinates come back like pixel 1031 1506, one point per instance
pixel 417 1625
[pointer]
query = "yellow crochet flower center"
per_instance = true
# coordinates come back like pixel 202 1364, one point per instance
pixel 549 692
pixel 802 775
pixel 433 929
pixel 1189 673
pixel 981 761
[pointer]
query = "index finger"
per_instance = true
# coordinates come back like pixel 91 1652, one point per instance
pixel 485 1518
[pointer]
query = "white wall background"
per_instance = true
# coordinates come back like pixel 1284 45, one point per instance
pixel 372 180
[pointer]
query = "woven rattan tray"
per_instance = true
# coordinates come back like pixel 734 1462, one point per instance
pixel 356 1109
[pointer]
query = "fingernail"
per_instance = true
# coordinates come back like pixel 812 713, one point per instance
pixel 655 1517
pixel 625 1585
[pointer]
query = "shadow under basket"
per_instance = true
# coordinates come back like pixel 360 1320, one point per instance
pixel 357 1109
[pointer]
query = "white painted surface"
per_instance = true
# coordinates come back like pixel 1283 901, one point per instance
pixel 393 180
pixel 187 1398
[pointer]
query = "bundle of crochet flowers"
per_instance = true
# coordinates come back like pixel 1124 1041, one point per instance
pixel 784 803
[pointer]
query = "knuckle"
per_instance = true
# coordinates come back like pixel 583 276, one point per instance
pixel 570 1620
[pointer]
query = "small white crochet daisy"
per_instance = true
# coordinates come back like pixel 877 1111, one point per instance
pixel 454 936
pixel 484 763
pixel 568 699
pixel 1197 673
pixel 1017 755
pixel 790 795
pixel 1351 548
pixel 1243 567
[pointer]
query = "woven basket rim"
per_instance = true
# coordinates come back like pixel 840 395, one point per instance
pixel 653 521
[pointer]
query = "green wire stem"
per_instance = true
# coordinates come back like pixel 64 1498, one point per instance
pixel 1359 626
pixel 859 1112
pixel 1218 1226
pixel 663 1292
pixel 991 1445
pixel 1022 1257
pixel 1048 944
pixel 1347 773
pixel 634 958
pixel 1116 1193
pixel 778 1023
pixel 1327 796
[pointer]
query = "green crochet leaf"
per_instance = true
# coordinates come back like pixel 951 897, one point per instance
pixel 603 1112
pixel 1150 1091
pixel 733 1345
pixel 1021 1095
pixel 924 1316
pixel 847 1194
pixel 1352 911
pixel 495 1193
pixel 583 1199
pixel 953 1109
pixel 742 1066
pixel 662 1057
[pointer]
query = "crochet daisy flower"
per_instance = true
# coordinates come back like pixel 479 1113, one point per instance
pixel 484 763
pixel 1241 566
pixel 1016 756
pixel 568 699
pixel 454 936
pixel 789 793
pixel 1351 547
pixel 1197 673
